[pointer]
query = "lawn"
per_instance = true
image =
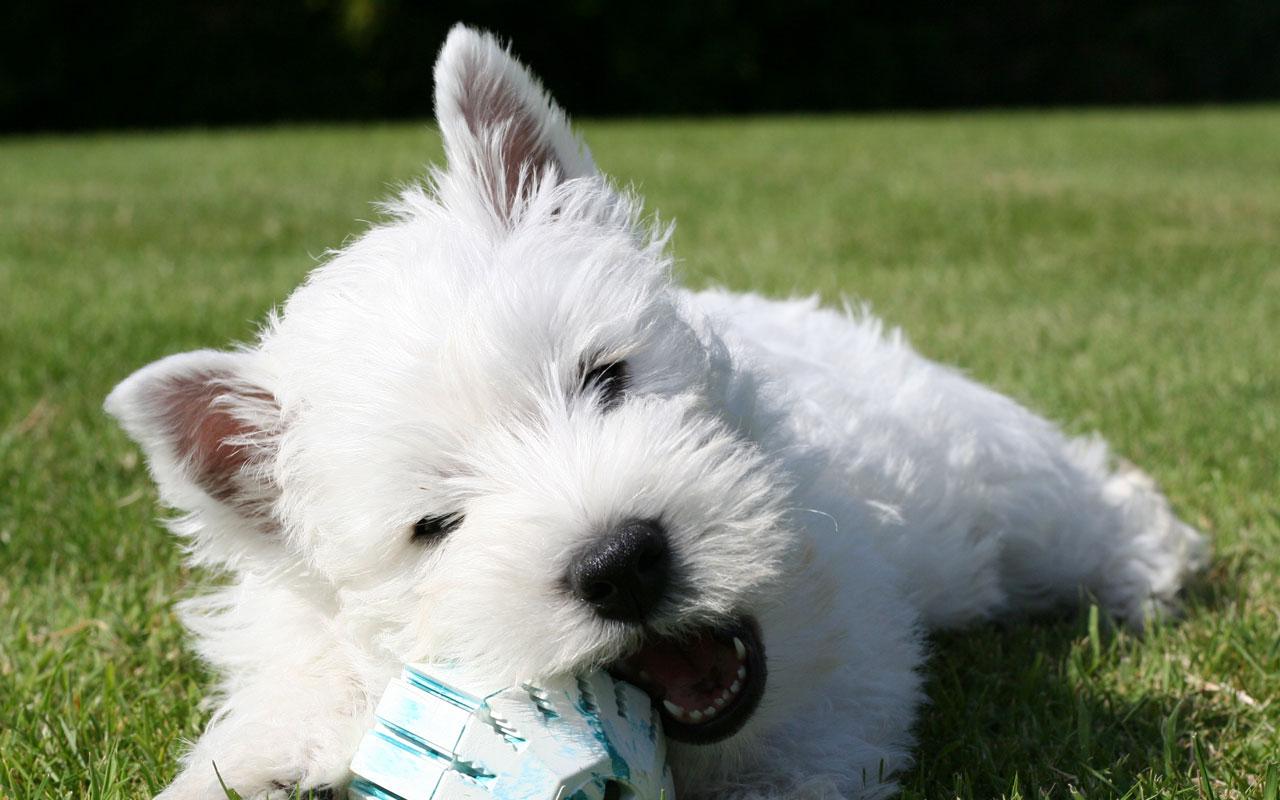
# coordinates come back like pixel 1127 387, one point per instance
pixel 1118 271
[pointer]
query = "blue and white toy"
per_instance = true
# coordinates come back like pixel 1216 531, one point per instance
pixel 439 735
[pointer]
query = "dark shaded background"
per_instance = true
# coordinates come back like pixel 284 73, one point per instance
pixel 75 65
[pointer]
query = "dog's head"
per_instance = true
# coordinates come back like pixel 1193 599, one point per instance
pixel 488 430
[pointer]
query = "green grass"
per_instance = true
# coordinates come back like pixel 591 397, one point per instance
pixel 1117 271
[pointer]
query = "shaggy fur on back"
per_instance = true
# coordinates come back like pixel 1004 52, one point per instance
pixel 810 474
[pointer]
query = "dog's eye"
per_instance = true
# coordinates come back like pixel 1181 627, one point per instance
pixel 610 380
pixel 430 529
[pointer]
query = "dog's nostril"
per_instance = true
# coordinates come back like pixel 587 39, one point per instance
pixel 625 575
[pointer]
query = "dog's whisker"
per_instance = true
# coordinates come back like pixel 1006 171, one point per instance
pixel 835 524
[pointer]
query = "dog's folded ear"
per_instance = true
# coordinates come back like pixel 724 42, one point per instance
pixel 209 427
pixel 500 127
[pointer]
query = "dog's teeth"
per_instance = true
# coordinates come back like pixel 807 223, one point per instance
pixel 709 712
pixel 742 672
pixel 722 699
pixel 741 648
pixel 735 687
pixel 695 716
pixel 673 709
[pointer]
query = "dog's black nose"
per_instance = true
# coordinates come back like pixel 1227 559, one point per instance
pixel 625 577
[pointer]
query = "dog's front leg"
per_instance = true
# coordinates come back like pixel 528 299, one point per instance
pixel 292 704
pixel 272 736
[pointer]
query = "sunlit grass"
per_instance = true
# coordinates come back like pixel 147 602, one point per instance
pixel 1117 271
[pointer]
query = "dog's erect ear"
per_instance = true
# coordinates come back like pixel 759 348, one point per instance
pixel 209 429
pixel 499 125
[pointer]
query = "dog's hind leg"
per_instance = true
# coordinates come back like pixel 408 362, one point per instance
pixel 1108 532
pixel 1048 525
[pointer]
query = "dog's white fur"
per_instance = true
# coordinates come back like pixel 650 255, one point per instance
pixel 811 469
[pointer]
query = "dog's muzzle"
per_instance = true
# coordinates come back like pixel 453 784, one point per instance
pixel 707 684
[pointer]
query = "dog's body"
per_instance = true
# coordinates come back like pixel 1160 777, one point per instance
pixel 490 430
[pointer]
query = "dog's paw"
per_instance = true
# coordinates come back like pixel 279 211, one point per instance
pixel 294 792
pixel 1156 557
pixel 278 766
pixel 208 783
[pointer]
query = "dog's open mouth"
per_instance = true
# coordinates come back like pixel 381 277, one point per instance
pixel 707 684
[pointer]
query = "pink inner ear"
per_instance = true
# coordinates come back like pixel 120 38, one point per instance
pixel 201 430
pixel 494 108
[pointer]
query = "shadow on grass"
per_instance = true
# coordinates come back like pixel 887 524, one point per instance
pixel 1050 707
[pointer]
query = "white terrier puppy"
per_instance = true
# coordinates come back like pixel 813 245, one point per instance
pixel 493 430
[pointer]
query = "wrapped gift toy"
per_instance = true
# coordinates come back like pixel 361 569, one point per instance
pixel 440 735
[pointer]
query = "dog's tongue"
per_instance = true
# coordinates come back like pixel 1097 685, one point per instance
pixel 690 673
